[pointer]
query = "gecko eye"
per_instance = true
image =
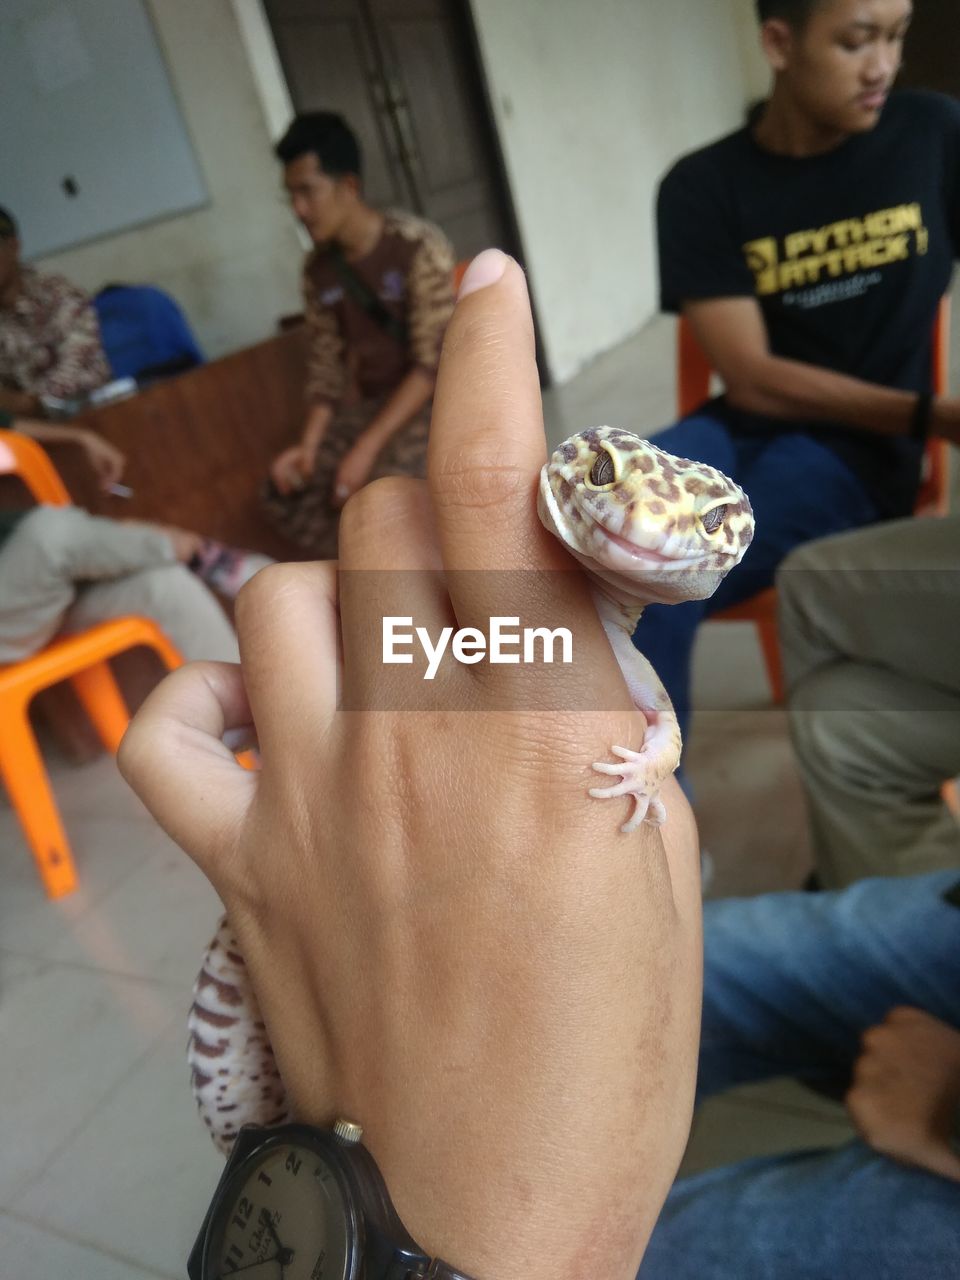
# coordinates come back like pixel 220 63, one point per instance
pixel 713 519
pixel 603 471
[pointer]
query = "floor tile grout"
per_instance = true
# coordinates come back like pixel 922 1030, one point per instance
pixel 71 1238
pixel 91 1115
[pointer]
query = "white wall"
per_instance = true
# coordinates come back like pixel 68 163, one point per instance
pixel 756 70
pixel 593 101
pixel 233 266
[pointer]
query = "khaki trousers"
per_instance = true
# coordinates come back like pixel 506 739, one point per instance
pixel 62 570
pixel 870 628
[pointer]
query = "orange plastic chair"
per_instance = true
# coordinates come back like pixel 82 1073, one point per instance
pixel 82 659
pixel 693 388
pixel 459 271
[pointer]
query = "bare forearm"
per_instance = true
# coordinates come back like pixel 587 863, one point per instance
pixel 49 432
pixel 404 404
pixel 783 388
pixel 733 334
pixel 315 428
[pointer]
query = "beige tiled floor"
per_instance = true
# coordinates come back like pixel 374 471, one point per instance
pixel 104 1168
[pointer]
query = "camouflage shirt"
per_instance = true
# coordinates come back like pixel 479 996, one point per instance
pixel 410 269
pixel 50 339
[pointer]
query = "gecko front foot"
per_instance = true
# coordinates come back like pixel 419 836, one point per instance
pixel 640 778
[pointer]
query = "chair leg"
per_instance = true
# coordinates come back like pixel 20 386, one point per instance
pixel 770 646
pixel 103 702
pixel 25 776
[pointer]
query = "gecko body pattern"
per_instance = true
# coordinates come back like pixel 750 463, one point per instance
pixel 648 528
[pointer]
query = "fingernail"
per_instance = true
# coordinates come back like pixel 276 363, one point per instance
pixel 486 268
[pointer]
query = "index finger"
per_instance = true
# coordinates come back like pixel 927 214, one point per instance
pixel 486 435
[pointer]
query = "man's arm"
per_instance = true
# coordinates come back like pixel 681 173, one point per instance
pixel 430 306
pixel 403 404
pixel 326 376
pixel 405 401
pixel 106 460
pixel 733 335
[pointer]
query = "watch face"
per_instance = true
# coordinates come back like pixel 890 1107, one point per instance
pixel 285 1214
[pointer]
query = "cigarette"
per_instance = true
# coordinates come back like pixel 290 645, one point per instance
pixel 120 490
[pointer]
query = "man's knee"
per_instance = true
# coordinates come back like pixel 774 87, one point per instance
pixel 180 604
pixel 53 532
pixel 166 587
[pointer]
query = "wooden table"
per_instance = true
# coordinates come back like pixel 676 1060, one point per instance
pixel 198 446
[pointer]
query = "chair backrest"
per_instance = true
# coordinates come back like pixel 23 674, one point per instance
pixel 459 271
pixel 933 496
pixel 23 457
pixel 693 387
pixel 144 332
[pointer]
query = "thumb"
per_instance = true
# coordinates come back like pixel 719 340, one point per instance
pixel 174 757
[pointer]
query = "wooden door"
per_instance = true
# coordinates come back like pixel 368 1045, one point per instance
pixel 330 64
pixel 405 75
pixel 930 54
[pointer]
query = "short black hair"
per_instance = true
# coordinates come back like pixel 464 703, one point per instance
pixel 328 136
pixel 796 12
pixel 8 225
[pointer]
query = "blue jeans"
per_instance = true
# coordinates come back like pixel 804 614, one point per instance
pixel 791 982
pixel 799 490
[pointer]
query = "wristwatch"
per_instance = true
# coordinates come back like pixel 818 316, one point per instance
pixel 301 1203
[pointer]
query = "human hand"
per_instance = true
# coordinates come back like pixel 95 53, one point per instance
pixel 291 469
pixel 450 941
pixel 105 459
pixel 906 1090
pixel 354 469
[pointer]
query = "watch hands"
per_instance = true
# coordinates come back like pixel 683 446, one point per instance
pixel 284 1255
pixel 261 1262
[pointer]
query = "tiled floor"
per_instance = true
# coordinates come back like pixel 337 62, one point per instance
pixel 104 1169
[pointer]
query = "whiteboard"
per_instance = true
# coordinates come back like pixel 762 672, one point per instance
pixel 93 140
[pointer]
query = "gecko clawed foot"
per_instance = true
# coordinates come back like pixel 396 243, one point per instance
pixel 640 779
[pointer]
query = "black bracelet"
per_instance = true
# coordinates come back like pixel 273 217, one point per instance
pixel 920 419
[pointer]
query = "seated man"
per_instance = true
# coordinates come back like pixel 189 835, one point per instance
pixel 378 290
pixel 861 983
pixel 63 570
pixel 858 989
pixel 809 251
pixel 50 347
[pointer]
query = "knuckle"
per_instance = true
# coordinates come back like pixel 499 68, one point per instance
pixel 265 586
pixel 382 501
pixel 479 474
pixel 134 751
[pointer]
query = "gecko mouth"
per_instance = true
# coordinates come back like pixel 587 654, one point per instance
pixel 647 556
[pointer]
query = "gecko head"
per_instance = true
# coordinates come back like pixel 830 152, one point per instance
pixel 637 516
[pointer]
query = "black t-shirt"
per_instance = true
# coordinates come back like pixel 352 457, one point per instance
pixel 848 254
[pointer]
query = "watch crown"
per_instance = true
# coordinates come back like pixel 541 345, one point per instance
pixel 348 1132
